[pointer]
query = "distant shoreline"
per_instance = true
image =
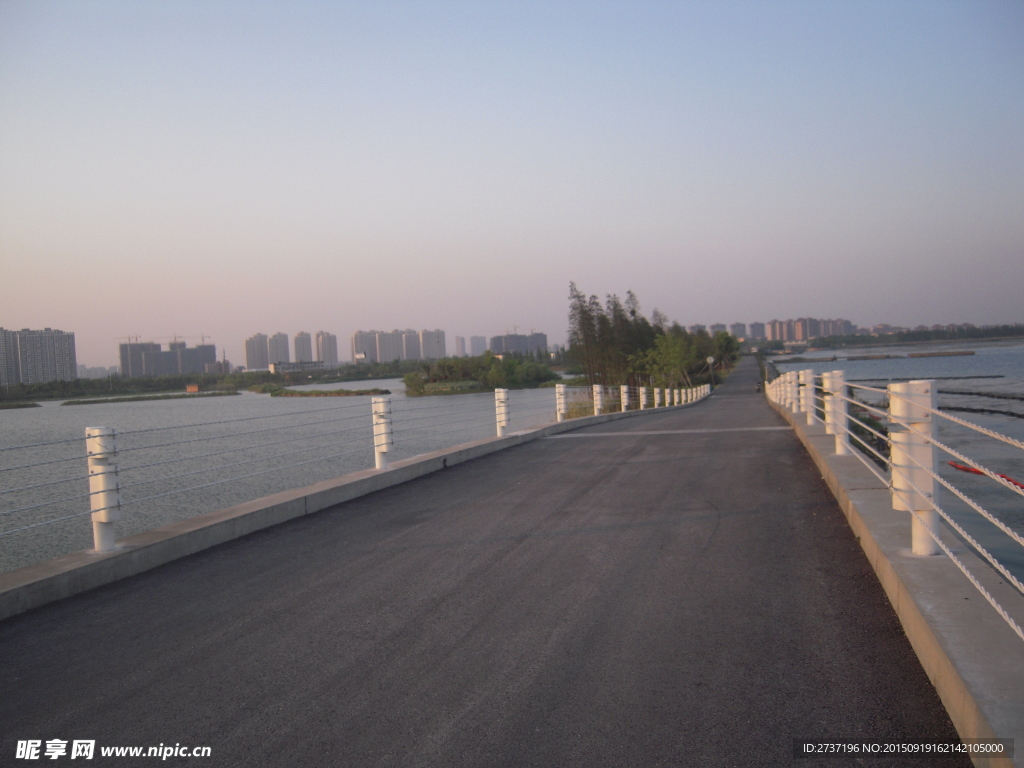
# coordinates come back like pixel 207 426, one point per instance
pixel 137 398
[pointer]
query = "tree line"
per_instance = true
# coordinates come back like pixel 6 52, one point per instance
pixel 142 385
pixel 615 344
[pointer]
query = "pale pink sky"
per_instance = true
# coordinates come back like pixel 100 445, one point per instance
pixel 223 168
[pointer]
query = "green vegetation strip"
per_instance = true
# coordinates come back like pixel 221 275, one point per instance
pixel 276 391
pixel 467 375
pixel 147 397
pixel 11 406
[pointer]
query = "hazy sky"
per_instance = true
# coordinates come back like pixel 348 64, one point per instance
pixel 233 167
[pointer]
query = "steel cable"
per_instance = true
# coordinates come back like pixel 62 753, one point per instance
pixel 243 448
pixel 970 577
pixel 236 434
pixel 235 464
pixel 247 418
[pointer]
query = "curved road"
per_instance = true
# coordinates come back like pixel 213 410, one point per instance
pixel 677 589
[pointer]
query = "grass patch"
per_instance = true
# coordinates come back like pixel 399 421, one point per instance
pixel 455 388
pixel 12 406
pixel 276 390
pixel 329 392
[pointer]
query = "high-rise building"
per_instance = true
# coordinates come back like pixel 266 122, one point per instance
pixel 477 345
pixel 303 347
pixel 178 359
pixel 326 348
pixel 218 366
pixel 696 328
pixel 508 344
pixel 35 357
pixel 739 330
pixel 10 370
pixel 519 343
pixel 757 330
pixel 837 328
pixel 131 357
pixel 46 355
pixel 411 346
pixel 806 328
pixel 716 328
pixel 257 356
pixel 460 346
pixel 432 345
pixel 277 349
pixel 537 342
pixel 389 346
pixel 97 372
pixel 364 347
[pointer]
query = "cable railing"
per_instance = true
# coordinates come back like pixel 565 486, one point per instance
pixel 897 438
pixel 599 399
pixel 179 471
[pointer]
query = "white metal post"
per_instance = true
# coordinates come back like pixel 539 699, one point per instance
pixel 598 399
pixel 624 396
pixel 840 411
pixel 829 402
pixel 104 488
pixel 560 402
pixel 676 397
pixel 501 410
pixel 907 402
pixel 657 397
pixel 381 407
pixel 643 398
pixel 807 394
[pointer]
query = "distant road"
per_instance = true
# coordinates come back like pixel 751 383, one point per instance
pixel 673 590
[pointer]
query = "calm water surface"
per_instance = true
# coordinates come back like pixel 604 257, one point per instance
pixel 228 449
pixel 995 368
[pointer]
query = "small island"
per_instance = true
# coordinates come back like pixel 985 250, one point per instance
pixel 468 375
pixel 276 390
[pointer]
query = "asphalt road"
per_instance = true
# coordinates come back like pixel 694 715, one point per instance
pixel 610 597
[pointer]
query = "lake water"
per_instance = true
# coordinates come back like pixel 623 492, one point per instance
pixel 995 368
pixel 228 449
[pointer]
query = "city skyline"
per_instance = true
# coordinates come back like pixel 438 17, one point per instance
pixel 457 166
pixel 258 347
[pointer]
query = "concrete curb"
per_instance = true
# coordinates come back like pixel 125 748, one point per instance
pixel 35 585
pixel 972 657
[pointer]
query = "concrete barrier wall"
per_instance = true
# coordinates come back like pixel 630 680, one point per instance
pixel 35 585
pixel 972 657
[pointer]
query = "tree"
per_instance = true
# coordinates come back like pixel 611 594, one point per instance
pixel 609 341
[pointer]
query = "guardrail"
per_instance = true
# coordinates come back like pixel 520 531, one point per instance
pixel 572 402
pixel 904 456
pixel 133 468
